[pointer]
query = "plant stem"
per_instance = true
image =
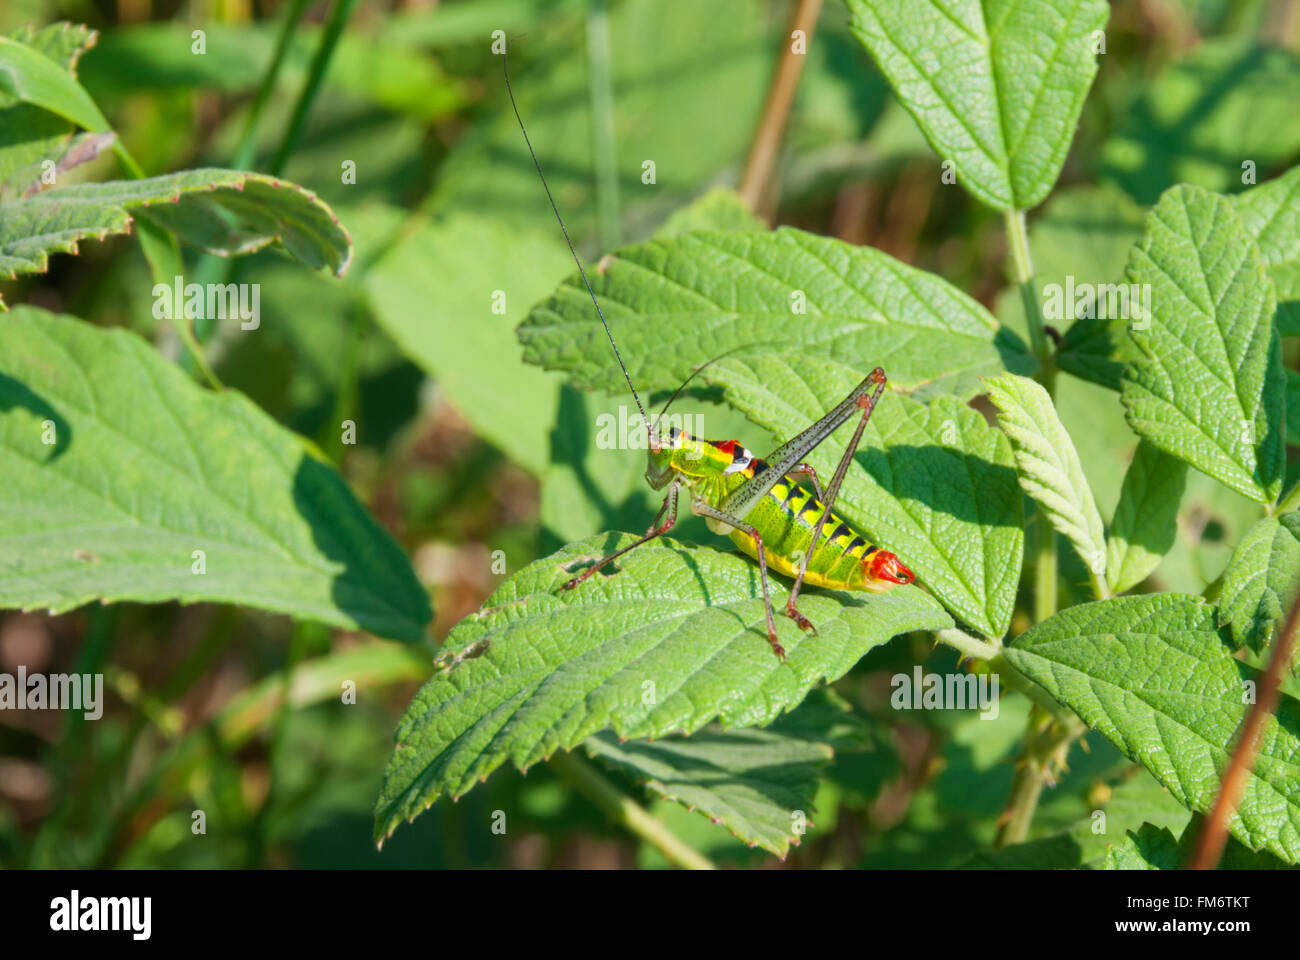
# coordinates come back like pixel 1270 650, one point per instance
pixel 248 138
pixel 1214 835
pixel 1047 740
pixel 967 645
pixel 626 812
pixel 1288 502
pixel 776 111
pixel 600 89
pixel 339 16
pixel 1048 737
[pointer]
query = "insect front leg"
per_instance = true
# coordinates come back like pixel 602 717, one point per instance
pixel 704 510
pixel 656 530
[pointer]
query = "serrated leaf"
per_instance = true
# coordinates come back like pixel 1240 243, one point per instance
pixel 1209 388
pixel 1155 675
pixel 676 303
pixel 933 483
pixel 1049 466
pixel 759 784
pixel 997 85
pixel 226 212
pixel 437 291
pixel 1146 517
pixel 117 468
pixel 1262 580
pixel 753 782
pixel 1156 848
pixel 1271 214
pixel 540 669
pixel 29 75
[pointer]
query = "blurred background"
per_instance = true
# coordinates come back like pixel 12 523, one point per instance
pixel 464 450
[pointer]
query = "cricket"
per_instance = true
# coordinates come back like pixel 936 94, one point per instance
pixel 759 502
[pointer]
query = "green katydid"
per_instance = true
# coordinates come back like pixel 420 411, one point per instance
pixel 759 503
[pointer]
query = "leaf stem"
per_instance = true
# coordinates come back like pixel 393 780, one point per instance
pixel 776 111
pixel 1288 502
pixel 1032 773
pixel 1212 838
pixel 626 812
pixel 1047 740
pixel 600 89
pixel 967 645
pixel 248 137
pixel 339 16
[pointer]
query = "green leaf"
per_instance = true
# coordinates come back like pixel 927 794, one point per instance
pixel 226 212
pixel 1209 388
pixel 1146 517
pixel 29 134
pixel 1202 117
pixel 1049 466
pixel 117 468
pixel 753 782
pixel 675 303
pixel 1271 214
pixel 756 783
pixel 436 293
pixel 719 209
pixel 1155 675
pixel 933 483
pixel 673 640
pixel 1262 580
pixel 1156 848
pixel 29 75
pixel 1293 408
pixel 997 85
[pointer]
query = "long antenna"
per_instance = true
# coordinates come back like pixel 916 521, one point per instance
pixel 626 376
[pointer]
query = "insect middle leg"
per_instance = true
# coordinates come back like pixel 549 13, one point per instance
pixel 704 510
pixel 656 530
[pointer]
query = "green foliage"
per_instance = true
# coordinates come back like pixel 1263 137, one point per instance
pixel 1209 388
pixel 1155 674
pixel 1146 517
pixel 679 301
pixel 225 212
pixel 997 86
pixel 1262 580
pixel 673 640
pixel 118 469
pixel 1048 466
pixel 1156 848
pixel 159 520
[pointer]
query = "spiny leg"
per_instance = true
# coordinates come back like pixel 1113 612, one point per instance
pixel 704 510
pixel 866 403
pixel 669 506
